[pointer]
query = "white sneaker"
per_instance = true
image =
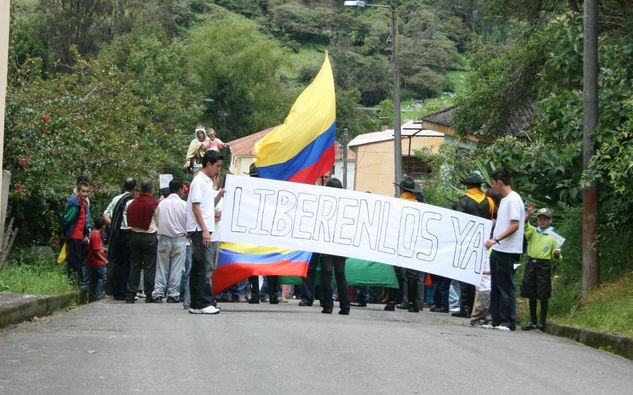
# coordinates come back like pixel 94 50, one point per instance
pixel 209 310
pixel 453 309
pixel 486 326
pixel 194 311
pixel 502 328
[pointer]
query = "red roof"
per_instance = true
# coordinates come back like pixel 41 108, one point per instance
pixel 245 145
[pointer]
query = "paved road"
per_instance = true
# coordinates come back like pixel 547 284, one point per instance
pixel 114 348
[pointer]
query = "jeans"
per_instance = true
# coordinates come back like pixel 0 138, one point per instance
pixel 185 296
pixel 308 282
pixel 96 282
pixel 441 290
pixel 361 294
pixel 202 266
pixel 170 262
pixel 503 292
pixel 454 294
pixel 143 247
pixel 76 262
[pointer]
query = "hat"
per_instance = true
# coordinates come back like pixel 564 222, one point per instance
pixel 211 132
pixel 474 178
pixel 252 170
pixel 408 184
pixel 544 211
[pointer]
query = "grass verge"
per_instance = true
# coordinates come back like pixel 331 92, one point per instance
pixel 23 273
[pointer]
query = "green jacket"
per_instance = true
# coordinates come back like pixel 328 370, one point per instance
pixel 541 245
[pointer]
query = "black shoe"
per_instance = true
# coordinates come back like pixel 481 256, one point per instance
pixel 359 304
pixel 529 326
pixel 439 309
pixel 305 303
pixel 326 311
pixel 390 306
pixel 127 300
pixel 274 301
pixel 149 299
pixel 541 327
pixel 344 311
pixel 253 301
pixel 403 306
pixel 119 298
pixel 461 313
pixel 171 299
pixel 413 309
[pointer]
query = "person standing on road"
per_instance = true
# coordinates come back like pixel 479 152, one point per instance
pixel 542 249
pixel 329 262
pixel 76 229
pixel 474 202
pixel 141 217
pixel 200 224
pixel 171 217
pixel 119 251
pixel 507 247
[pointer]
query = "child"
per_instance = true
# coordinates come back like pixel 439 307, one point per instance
pixel 97 262
pixel 541 250
pixel 481 312
pixel 76 228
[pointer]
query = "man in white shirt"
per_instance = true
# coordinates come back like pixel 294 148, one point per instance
pixel 200 224
pixel 507 247
pixel 171 217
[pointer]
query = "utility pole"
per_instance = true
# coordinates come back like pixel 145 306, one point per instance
pixel 344 148
pixel 590 195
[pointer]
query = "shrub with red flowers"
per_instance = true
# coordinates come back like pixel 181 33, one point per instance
pixel 84 122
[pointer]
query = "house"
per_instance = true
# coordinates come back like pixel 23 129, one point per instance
pixel 375 156
pixel 243 154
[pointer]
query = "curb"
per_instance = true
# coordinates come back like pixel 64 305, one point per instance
pixel 33 305
pixel 619 345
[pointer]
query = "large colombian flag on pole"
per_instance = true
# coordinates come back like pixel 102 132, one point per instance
pixel 301 150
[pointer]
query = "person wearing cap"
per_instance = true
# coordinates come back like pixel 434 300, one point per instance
pixel 507 247
pixel 474 202
pixel 541 250
pixel 409 190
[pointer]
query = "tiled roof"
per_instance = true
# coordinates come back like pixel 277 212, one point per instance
pixel 245 145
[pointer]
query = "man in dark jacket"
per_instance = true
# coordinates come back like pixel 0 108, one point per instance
pixel 474 202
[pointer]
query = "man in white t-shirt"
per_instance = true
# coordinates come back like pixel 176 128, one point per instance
pixel 200 224
pixel 507 247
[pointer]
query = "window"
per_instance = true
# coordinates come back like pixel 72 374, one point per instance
pixel 417 168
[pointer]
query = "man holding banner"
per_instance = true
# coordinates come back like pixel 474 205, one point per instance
pixel 507 247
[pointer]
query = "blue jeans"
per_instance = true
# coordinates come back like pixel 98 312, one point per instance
pixel 454 295
pixel 170 261
pixel 503 292
pixel 308 282
pixel 441 290
pixel 96 282
pixel 184 280
pixel 202 266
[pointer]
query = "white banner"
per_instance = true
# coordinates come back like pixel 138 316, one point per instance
pixel 354 224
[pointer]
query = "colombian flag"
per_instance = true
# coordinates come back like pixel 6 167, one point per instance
pixel 238 261
pixel 302 148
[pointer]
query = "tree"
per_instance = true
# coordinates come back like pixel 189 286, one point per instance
pixel 237 69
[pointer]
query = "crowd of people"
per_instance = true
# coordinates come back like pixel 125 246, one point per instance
pixel 166 250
